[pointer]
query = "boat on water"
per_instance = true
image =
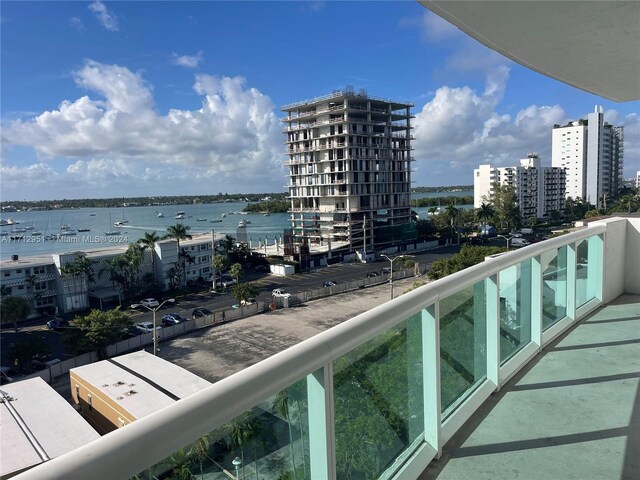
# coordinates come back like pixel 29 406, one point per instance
pixel 224 215
pixel 266 214
pixel 92 214
pixel 68 233
pixel 9 221
pixel 179 216
pixel 216 221
pixel 201 219
pixel 65 227
pixel 112 233
pixel 119 224
pixel 242 224
pixel 35 233
pixel 160 215
pixel 30 227
pixel 84 229
pixel 18 230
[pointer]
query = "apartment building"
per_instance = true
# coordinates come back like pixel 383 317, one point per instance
pixel 591 152
pixel 349 158
pixel 41 281
pixel 540 190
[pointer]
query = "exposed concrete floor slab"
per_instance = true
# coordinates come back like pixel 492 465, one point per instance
pixel 572 413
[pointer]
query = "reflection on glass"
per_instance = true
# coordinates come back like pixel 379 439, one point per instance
pixel 515 308
pixel 269 441
pixel 378 404
pixel 586 253
pixel 463 342
pixel 554 286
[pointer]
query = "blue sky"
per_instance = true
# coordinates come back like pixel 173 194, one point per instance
pixel 112 99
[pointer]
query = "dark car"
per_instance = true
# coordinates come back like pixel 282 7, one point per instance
pixel 329 284
pixel 200 312
pixel 130 331
pixel 172 319
pixel 57 324
pixel 372 274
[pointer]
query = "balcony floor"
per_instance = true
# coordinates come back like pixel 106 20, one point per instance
pixel 572 413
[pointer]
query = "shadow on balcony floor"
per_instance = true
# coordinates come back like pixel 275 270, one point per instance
pixel 572 413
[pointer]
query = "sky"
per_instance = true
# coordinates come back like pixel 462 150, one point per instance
pixel 122 99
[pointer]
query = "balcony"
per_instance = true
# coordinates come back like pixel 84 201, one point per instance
pixel 510 365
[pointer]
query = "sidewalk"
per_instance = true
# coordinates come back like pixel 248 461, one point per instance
pixel 217 352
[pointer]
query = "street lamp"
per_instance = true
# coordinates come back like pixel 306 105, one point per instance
pixel 391 260
pixel 155 333
pixel 236 463
pixel 507 238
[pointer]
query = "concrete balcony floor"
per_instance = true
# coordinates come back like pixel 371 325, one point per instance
pixel 572 413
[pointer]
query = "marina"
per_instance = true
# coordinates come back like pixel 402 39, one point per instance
pixel 90 228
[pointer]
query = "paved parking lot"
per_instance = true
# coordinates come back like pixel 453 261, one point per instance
pixel 216 352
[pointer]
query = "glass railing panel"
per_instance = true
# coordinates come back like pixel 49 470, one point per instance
pixel 587 251
pixel 269 441
pixel 378 401
pixel 515 308
pixel 554 286
pixel 463 343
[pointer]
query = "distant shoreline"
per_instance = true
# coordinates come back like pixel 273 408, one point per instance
pixel 8 206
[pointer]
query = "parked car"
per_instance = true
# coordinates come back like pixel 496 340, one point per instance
pixel 372 274
pixel 228 281
pixel 520 242
pixel 172 319
pixel 149 302
pixel 278 292
pixel 386 270
pixel 329 284
pixel 200 312
pixel 146 327
pixel 57 324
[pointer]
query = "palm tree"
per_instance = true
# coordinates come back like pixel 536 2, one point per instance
pixel 433 210
pixel 179 232
pixel 149 241
pixel 281 404
pixel 217 261
pixel 77 272
pixel 485 212
pixel 235 271
pixel 180 465
pixel 199 451
pixel 451 213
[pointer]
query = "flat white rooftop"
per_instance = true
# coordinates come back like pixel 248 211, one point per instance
pixel 140 382
pixel 52 426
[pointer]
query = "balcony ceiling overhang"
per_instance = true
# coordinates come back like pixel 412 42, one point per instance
pixel 591 45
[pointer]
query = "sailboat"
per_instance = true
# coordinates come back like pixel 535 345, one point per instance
pixel 111 233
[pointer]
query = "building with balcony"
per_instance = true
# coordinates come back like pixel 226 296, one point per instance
pixel 591 153
pixel 349 158
pixel 540 190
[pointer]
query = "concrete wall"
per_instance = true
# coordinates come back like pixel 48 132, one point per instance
pixel 615 258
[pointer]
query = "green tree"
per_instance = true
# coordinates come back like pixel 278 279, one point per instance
pixel 281 405
pixel 218 262
pixel 179 232
pixel 468 256
pixel 13 309
pixel 236 271
pixel 179 462
pixel 242 430
pixel 244 291
pixel 148 241
pixel 505 204
pixel 484 213
pixel 78 274
pixel 5 291
pixel 103 328
pixel 451 214
pixel 199 451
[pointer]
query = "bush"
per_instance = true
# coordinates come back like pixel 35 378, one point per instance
pixel 468 256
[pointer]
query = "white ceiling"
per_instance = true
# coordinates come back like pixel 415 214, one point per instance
pixel 591 45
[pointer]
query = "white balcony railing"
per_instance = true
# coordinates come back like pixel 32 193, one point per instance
pixel 420 364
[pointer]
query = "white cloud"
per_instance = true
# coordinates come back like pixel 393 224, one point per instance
pixel 460 129
pixel 76 23
pixel 104 16
pixel 188 61
pixel 232 140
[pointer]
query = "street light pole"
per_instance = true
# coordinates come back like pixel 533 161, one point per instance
pixel 153 310
pixel 507 238
pixel 391 260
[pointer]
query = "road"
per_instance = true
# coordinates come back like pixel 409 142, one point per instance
pixel 339 273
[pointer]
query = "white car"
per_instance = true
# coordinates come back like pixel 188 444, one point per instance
pixel 147 327
pixel 149 302
pixel 276 292
pixel 520 242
